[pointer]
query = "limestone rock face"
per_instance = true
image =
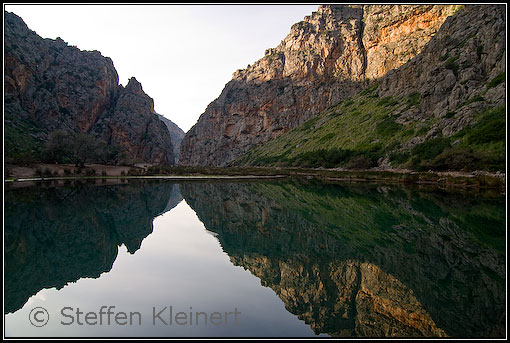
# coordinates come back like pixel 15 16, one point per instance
pixel 327 57
pixel 134 125
pixel 455 67
pixel 176 134
pixel 394 34
pixel 447 92
pixel 52 86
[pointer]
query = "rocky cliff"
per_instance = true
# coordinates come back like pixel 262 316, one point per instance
pixel 457 72
pixel 52 86
pixel 442 110
pixel 176 134
pixel 327 57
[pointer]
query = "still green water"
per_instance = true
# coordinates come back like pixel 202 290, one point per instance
pixel 259 258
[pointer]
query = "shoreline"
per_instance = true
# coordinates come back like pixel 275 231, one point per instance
pixel 446 179
pixel 166 177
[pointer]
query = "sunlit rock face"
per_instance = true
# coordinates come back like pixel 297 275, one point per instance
pixel 52 86
pixel 58 235
pixel 455 67
pixel 394 34
pixel 448 92
pixel 327 57
pixel 365 261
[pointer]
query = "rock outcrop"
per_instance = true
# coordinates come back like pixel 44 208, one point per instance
pixel 394 34
pixel 176 134
pixel 52 86
pixel 454 70
pixel 327 57
pixel 135 126
pixel 443 110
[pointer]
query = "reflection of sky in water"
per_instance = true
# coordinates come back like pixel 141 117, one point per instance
pixel 178 265
pixel 353 261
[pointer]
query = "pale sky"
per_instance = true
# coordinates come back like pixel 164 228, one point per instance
pixel 183 55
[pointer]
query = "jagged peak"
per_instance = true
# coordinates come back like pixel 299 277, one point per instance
pixel 134 86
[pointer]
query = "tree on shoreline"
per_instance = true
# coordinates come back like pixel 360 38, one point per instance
pixel 80 148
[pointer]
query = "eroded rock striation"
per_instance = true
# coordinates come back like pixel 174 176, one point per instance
pixel 52 86
pixel 453 73
pixel 327 57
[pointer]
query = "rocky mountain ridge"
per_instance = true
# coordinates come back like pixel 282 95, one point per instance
pixel 51 86
pixel 327 57
pixel 442 110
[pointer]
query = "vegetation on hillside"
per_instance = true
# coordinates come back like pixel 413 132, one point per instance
pixel 79 148
pixel 362 131
pixel 24 146
pixel 21 142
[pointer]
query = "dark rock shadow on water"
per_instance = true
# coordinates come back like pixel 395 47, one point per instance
pixel 349 260
pixel 364 260
pixel 57 235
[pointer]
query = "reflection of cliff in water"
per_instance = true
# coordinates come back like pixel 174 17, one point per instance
pixel 366 261
pixel 58 235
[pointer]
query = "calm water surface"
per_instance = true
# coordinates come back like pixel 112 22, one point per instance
pixel 259 258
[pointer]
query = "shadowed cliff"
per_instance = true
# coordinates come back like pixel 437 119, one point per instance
pixel 51 86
